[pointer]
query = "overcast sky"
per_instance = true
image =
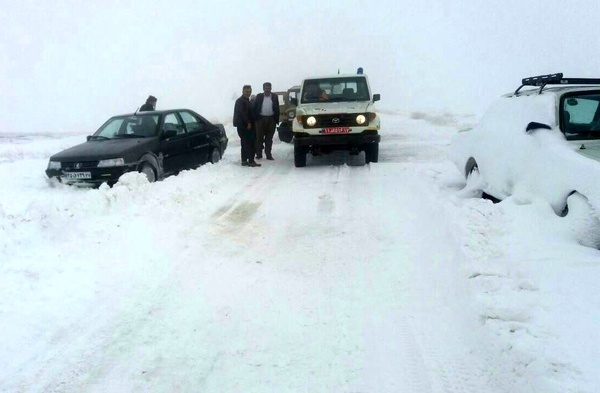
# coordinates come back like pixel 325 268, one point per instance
pixel 70 65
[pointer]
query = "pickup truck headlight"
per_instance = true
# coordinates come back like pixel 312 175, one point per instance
pixel 111 162
pixel 311 121
pixel 361 119
pixel 54 165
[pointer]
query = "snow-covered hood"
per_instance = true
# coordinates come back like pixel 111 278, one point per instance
pixel 334 107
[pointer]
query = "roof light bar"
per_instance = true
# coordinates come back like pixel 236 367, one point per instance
pixel 542 80
pixel 554 79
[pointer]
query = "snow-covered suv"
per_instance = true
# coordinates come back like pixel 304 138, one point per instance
pixel 336 113
pixel 543 141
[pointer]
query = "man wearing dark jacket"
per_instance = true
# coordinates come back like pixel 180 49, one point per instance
pixel 266 113
pixel 150 104
pixel 243 121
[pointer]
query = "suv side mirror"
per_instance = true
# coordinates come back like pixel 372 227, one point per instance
pixel 169 130
pixel 294 101
pixel 376 97
pixel 537 126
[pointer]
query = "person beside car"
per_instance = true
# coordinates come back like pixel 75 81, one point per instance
pixel 243 121
pixel 150 104
pixel 266 113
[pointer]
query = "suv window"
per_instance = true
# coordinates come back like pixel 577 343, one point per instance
pixel 581 116
pixel 335 90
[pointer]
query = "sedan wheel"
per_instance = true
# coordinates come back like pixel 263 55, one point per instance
pixel 215 155
pixel 149 172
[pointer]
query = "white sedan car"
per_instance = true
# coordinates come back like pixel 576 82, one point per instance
pixel 540 142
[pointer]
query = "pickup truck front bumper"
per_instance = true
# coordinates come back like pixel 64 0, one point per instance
pixel 302 139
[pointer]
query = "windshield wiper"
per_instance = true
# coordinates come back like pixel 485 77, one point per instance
pixel 98 137
pixel 129 136
pixel 341 99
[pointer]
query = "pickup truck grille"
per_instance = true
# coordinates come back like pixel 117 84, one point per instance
pixel 336 120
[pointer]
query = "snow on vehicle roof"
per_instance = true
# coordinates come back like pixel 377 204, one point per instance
pixel 554 90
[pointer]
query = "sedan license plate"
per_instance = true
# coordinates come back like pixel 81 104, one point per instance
pixel 336 130
pixel 76 175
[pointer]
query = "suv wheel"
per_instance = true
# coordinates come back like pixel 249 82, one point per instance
pixel 299 157
pixel 372 153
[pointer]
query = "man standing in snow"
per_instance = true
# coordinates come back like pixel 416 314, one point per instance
pixel 243 121
pixel 150 104
pixel 266 112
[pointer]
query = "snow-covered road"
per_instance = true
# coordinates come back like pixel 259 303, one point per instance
pixel 336 277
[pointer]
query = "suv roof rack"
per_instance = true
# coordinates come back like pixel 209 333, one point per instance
pixel 554 79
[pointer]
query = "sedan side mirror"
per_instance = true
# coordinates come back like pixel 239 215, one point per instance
pixel 537 126
pixel 87 138
pixel 376 97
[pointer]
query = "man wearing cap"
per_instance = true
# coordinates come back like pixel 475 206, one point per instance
pixel 266 113
pixel 150 104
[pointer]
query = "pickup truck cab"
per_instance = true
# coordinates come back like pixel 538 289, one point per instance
pixel 336 113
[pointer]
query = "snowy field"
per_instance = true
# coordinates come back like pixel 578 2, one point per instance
pixel 336 277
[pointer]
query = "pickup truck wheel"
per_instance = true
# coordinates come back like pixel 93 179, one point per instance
pixel 149 172
pixel 372 153
pixel 299 157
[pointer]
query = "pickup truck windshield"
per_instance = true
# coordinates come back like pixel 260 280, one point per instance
pixel 352 88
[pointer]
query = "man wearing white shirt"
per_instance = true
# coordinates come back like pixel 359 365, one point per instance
pixel 266 110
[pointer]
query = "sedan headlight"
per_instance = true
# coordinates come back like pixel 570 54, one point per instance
pixel 361 119
pixel 111 162
pixel 54 165
pixel 311 121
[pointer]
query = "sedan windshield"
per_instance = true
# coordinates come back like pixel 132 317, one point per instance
pixel 353 88
pixel 136 126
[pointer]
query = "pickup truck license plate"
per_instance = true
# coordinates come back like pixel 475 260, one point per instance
pixel 336 130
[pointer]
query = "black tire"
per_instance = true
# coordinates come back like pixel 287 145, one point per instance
pixel 299 157
pixel 149 171
pixel 284 131
pixel 215 155
pixel 372 153
pixel 474 171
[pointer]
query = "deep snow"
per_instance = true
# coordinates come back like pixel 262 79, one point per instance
pixel 336 277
